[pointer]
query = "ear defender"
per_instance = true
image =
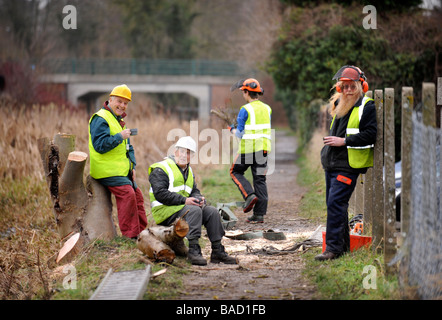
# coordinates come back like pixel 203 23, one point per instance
pixel 364 85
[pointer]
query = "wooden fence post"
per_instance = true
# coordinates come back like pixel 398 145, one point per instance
pixel 368 193
pixel 389 181
pixel 378 185
pixel 429 104
pixel 406 148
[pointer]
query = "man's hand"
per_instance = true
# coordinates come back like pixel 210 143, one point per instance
pixel 125 133
pixel 334 141
pixel 191 201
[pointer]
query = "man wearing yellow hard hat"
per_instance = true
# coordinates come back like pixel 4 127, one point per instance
pixel 113 160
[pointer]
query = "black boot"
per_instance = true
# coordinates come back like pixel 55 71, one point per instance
pixel 194 255
pixel 219 255
pixel 255 219
pixel 250 202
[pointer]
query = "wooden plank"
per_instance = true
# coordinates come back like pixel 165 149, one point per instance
pixel 389 183
pixel 429 104
pixel 406 147
pixel 378 184
pixel 368 201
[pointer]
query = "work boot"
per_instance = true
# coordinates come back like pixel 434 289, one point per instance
pixel 326 255
pixel 255 219
pixel 250 202
pixel 194 255
pixel 219 255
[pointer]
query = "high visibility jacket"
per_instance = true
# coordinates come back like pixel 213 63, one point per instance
pixel 114 162
pixel 257 129
pixel 358 157
pixel 161 212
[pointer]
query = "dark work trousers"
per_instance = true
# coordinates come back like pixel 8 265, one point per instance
pixel 337 197
pixel 207 216
pixel 258 164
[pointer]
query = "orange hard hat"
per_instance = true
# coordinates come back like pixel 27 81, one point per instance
pixel 252 85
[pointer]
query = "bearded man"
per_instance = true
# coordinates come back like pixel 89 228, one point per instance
pixel 347 152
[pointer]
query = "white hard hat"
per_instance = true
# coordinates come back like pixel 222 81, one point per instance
pixel 186 143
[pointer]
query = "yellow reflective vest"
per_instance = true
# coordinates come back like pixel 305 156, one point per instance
pixel 114 162
pixel 358 157
pixel 161 212
pixel 257 129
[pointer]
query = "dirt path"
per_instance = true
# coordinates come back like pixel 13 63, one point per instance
pixel 261 276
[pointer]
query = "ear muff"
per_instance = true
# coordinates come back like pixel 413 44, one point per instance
pixel 364 86
pixel 338 89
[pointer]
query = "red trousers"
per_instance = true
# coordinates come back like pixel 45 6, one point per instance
pixel 131 214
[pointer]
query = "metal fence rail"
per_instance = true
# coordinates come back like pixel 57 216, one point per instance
pixel 141 67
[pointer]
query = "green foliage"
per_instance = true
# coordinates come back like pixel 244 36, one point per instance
pixel 158 29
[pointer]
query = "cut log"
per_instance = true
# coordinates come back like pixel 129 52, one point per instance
pixel 70 249
pixel 154 248
pixel 173 235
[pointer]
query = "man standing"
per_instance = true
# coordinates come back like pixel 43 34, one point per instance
pixel 347 152
pixel 113 160
pixel 174 191
pixel 254 130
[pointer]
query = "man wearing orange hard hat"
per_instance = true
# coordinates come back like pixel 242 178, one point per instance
pixel 347 152
pixel 254 130
pixel 112 160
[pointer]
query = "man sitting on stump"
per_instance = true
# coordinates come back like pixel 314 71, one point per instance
pixel 173 192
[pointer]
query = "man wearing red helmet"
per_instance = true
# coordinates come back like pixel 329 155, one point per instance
pixel 347 152
pixel 254 129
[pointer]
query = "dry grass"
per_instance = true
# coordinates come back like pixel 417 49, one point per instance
pixel 28 238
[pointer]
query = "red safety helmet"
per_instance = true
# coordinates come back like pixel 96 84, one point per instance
pixel 249 85
pixel 351 73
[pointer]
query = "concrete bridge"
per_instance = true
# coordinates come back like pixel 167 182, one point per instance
pixel 86 80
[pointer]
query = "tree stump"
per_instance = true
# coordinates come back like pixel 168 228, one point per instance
pixel 77 208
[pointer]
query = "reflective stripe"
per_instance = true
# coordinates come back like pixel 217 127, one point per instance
pixel 364 147
pixel 352 130
pixel 155 204
pixel 257 126
pixel 256 136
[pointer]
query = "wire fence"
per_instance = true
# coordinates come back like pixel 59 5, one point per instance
pixel 423 248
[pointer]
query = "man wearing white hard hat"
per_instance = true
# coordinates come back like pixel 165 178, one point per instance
pixel 173 192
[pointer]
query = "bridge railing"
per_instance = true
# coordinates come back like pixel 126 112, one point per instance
pixel 141 67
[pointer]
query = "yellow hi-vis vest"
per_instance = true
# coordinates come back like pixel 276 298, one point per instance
pixel 358 157
pixel 161 212
pixel 257 129
pixel 114 162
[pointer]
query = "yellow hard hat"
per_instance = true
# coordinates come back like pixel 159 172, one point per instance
pixel 122 91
